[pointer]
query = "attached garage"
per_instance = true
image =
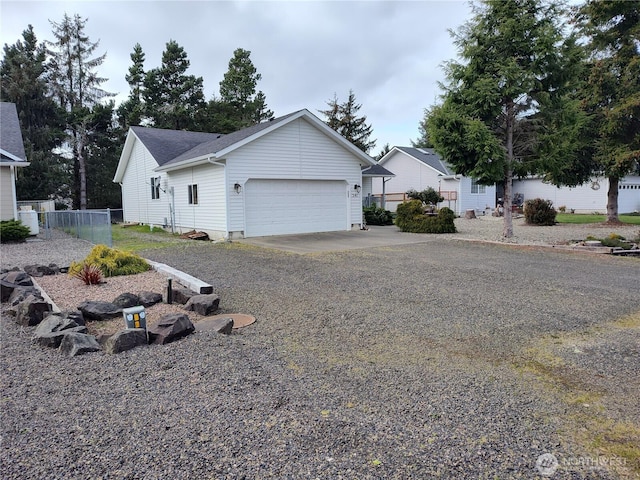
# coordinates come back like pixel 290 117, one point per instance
pixel 280 207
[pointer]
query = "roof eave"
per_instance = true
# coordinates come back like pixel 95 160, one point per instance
pixel 191 162
pixel 10 155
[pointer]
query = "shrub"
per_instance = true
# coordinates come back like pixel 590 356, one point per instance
pixel 89 274
pixel 13 231
pixel 411 218
pixel 428 196
pixel 112 262
pixel 539 212
pixel 374 215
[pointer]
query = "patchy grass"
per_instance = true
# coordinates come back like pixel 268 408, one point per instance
pixel 578 218
pixel 588 420
pixel 141 237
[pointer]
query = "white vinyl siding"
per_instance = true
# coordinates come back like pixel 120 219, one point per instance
pixel 209 215
pixel 7 192
pixel 477 189
pixel 467 200
pixel 137 201
pixel 296 151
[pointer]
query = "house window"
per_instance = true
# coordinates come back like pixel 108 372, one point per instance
pixel 155 188
pixel 193 194
pixel 476 188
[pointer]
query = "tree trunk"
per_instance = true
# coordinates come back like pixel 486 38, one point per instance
pixel 612 201
pixel 507 226
pixel 82 166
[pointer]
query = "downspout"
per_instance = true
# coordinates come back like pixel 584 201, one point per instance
pixel 12 175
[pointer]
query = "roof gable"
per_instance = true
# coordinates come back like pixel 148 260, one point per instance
pixel 166 145
pixel 427 156
pixel 11 144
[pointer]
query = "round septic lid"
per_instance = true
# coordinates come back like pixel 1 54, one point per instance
pixel 239 319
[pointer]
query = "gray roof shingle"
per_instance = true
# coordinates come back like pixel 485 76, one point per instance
pixel 376 171
pixel 428 156
pixel 10 134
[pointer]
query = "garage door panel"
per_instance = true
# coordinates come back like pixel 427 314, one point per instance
pixel 278 207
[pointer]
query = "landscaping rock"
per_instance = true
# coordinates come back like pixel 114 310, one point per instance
pixel 92 310
pixel 203 304
pixel 74 343
pixel 171 327
pixel 126 300
pixel 148 299
pixel 219 325
pixel 11 280
pixel 54 339
pixel 31 311
pixel 75 315
pixel 180 295
pixel 55 323
pixel 19 294
pixel 125 340
pixel 41 270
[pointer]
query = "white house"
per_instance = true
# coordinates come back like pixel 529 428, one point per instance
pixel 293 174
pixel 420 168
pixel 588 198
pixel 12 156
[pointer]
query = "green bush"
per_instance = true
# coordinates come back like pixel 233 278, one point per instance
pixel 539 212
pixel 374 215
pixel 111 262
pixel 428 196
pixel 411 218
pixel 13 231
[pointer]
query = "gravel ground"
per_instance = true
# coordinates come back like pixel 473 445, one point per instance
pixel 410 361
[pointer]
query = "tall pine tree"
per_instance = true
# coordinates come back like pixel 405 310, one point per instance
pixel 172 98
pixel 513 71
pixel 344 119
pixel 22 71
pixel 75 84
pixel 131 111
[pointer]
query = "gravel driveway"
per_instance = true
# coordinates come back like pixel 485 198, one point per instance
pixel 446 359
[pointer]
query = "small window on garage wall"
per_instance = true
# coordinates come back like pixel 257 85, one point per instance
pixel 476 188
pixel 193 194
pixel 155 188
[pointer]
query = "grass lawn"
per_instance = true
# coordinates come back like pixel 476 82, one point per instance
pixel 592 218
pixel 140 237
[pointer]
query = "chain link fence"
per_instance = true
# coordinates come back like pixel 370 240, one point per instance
pixel 91 225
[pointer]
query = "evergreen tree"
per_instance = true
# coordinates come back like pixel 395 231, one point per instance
pixel 173 99
pixel 516 69
pixel 343 118
pixel 423 140
pixel 241 106
pixel 23 82
pixel 385 149
pixel 76 86
pixel 131 111
pixel 611 93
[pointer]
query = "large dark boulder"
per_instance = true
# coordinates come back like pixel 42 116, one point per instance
pixel 41 270
pixel 12 280
pixel 126 300
pixel 99 310
pixel 180 295
pixel 54 339
pixel 203 304
pixel 171 327
pixel 55 323
pixel 125 340
pixel 220 325
pixel 31 311
pixel 148 299
pixel 74 343
pixel 19 294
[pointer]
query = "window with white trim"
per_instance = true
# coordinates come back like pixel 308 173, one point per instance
pixel 477 188
pixel 193 194
pixel 155 188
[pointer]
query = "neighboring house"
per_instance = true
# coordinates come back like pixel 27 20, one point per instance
pixel 420 168
pixel 588 198
pixel 368 174
pixel 12 156
pixel 292 174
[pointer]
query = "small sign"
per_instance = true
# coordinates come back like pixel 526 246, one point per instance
pixel 135 317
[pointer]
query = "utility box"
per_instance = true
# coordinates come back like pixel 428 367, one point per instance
pixel 135 317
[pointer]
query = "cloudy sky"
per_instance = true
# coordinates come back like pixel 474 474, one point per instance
pixel 389 52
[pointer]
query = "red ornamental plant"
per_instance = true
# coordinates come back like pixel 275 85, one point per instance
pixel 89 274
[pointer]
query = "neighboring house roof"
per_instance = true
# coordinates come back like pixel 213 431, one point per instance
pixel 376 171
pixel 11 145
pixel 175 149
pixel 428 156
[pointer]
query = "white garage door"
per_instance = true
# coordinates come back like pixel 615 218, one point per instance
pixel 279 207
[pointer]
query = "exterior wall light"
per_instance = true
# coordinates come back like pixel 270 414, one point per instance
pixel 237 187
pixel 357 188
